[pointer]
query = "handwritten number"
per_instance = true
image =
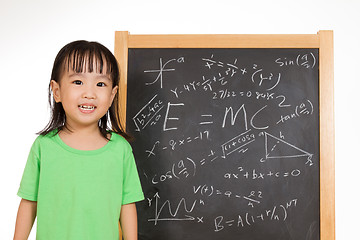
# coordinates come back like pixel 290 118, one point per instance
pixel 281 104
pixel 215 95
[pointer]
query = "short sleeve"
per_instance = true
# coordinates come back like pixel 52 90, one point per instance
pixel 132 191
pixel 30 180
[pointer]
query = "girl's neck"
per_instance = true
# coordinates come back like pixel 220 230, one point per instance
pixel 81 131
pixel 83 139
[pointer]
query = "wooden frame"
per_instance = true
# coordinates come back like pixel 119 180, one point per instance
pixel 323 40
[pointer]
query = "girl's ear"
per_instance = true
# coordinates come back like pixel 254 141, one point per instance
pixel 55 88
pixel 113 93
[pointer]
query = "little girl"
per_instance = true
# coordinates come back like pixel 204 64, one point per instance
pixel 80 178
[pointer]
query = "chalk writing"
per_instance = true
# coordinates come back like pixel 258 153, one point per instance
pixel 257 175
pixel 276 213
pixel 183 169
pixel 303 109
pixel 237 142
pixel 162 69
pixel 254 197
pixel 307 60
pixel 148 113
pixel 174 144
pixel 276 148
pixel 259 77
pixel 172 215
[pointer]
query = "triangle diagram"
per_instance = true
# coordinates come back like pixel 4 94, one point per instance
pixel 278 148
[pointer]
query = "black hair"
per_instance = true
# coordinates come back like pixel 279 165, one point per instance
pixel 78 55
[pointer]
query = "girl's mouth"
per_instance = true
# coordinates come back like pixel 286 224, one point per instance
pixel 86 108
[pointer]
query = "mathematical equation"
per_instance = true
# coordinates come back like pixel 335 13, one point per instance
pixel 276 213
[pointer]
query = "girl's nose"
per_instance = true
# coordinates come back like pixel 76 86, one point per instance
pixel 89 93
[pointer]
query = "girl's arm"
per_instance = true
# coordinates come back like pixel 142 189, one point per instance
pixel 128 221
pixel 25 219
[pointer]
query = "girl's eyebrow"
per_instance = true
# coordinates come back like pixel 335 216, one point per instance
pixel 75 75
pixel 100 76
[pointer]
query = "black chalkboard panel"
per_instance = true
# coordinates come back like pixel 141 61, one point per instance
pixel 227 142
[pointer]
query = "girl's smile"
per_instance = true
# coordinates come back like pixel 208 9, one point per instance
pixel 87 108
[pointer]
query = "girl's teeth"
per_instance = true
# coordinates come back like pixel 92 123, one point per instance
pixel 87 107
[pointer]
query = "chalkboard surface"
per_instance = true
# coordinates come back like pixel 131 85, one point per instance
pixel 226 142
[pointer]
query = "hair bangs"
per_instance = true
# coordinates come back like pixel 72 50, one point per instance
pixel 88 60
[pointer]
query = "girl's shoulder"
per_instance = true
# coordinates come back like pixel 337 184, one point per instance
pixel 120 141
pixel 48 135
pixel 118 138
pixel 44 137
pixel 42 142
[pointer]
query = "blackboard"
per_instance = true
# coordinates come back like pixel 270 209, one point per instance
pixel 227 142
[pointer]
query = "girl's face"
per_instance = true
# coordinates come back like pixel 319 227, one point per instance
pixel 85 97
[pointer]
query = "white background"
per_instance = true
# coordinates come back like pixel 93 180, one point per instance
pixel 32 32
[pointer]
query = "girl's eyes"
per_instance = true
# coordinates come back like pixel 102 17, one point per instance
pixel 77 82
pixel 99 84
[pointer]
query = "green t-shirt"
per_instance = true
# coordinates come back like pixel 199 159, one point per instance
pixel 79 193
